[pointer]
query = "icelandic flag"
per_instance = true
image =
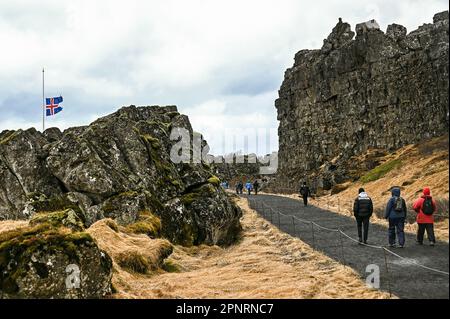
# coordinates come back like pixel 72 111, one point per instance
pixel 52 105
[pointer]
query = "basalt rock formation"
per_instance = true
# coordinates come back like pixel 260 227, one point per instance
pixel 378 90
pixel 47 260
pixel 117 167
pixel 235 167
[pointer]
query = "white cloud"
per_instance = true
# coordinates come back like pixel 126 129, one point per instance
pixel 221 62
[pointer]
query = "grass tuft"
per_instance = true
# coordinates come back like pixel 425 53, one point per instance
pixel 380 171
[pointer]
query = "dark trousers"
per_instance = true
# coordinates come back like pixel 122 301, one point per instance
pixel 363 224
pixel 430 232
pixel 397 226
pixel 305 200
pixel 256 190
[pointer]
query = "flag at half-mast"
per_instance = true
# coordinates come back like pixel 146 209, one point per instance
pixel 52 105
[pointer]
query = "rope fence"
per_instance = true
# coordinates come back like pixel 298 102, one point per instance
pixel 314 228
pixel 342 205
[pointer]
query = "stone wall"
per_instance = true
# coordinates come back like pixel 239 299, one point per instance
pixel 374 90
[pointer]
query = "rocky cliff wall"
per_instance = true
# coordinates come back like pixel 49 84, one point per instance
pixel 374 90
pixel 117 167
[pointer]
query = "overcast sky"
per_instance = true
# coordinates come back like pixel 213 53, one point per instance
pixel 220 62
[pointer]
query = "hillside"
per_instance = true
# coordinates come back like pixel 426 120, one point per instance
pixel 412 168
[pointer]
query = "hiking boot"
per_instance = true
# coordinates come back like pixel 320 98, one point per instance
pixel 365 242
pixel 392 245
pixel 360 241
pixel 401 246
pixel 419 243
pixel 432 244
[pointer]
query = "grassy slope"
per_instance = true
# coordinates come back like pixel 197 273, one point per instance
pixel 416 166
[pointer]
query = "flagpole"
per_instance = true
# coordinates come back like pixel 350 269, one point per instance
pixel 43 103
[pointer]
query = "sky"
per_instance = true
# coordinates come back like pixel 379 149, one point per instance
pixel 220 62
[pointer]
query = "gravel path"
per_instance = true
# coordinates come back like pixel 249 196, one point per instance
pixel 403 278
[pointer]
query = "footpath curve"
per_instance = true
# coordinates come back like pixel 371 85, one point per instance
pixel 411 272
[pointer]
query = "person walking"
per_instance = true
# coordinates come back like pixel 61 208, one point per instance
pixel 239 187
pixel 396 214
pixel 425 207
pixel 362 210
pixel 304 193
pixel 248 186
pixel 255 186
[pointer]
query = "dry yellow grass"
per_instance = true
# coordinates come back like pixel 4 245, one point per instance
pixel 118 244
pixel 264 264
pixel 6 225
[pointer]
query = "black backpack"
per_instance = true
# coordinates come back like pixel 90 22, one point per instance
pixel 398 204
pixel 427 206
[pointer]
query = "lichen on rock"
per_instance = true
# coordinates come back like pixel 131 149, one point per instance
pixel 116 167
pixel 38 262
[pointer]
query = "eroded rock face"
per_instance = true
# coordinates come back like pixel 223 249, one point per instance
pixel 377 90
pixel 114 168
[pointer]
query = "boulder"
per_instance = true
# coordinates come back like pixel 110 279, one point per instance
pixel 44 261
pixel 116 167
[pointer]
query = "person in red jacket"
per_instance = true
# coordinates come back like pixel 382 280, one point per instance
pixel 425 207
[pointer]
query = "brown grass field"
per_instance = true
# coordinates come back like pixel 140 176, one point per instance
pixel 264 264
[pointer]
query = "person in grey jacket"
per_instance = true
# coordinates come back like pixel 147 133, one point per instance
pixel 396 214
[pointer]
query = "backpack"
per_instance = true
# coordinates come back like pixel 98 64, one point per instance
pixel 427 206
pixel 398 204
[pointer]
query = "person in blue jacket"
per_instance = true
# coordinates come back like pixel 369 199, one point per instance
pixel 396 214
pixel 248 187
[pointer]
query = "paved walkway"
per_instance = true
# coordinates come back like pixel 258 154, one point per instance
pixel 403 278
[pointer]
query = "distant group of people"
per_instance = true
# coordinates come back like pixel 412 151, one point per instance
pixel 249 187
pixel 396 213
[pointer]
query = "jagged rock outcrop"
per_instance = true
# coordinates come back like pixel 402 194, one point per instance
pixel 117 167
pixel 377 90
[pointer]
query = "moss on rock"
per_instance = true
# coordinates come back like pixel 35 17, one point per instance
pixel 214 180
pixel 68 218
pixel 147 223
pixel 205 190
pixel 41 203
pixel 30 260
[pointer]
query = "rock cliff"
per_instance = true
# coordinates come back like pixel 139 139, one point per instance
pixel 117 167
pixel 376 90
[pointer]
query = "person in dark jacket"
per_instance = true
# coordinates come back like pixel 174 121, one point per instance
pixel 396 214
pixel 304 193
pixel 425 218
pixel 239 187
pixel 256 186
pixel 362 209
